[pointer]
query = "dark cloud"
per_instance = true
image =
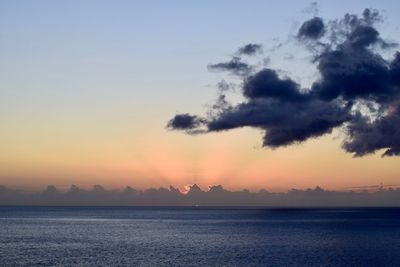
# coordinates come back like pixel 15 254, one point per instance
pixel 250 49
pixel 363 36
pixel 371 16
pixel 285 122
pixel 184 122
pixel 355 30
pixel 357 88
pixel 267 84
pixel 313 28
pixel 234 66
pixel 353 73
pixel 365 137
pixel 395 69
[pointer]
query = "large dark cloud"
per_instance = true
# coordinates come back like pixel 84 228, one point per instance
pixel 353 69
pixel 285 122
pixel 354 74
pixel 357 88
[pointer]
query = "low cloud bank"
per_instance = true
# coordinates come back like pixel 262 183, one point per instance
pixel 215 196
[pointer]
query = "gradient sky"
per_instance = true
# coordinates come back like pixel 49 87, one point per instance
pixel 87 88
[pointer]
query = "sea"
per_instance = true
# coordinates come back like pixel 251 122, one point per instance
pixel 199 236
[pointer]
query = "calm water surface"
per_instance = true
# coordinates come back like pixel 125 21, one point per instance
pixel 119 236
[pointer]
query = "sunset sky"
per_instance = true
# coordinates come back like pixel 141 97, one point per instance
pixel 87 89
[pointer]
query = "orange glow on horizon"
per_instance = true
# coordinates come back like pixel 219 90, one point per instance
pixel 228 159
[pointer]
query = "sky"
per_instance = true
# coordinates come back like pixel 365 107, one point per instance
pixel 87 89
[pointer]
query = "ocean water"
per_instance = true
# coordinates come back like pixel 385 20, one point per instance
pixel 122 236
